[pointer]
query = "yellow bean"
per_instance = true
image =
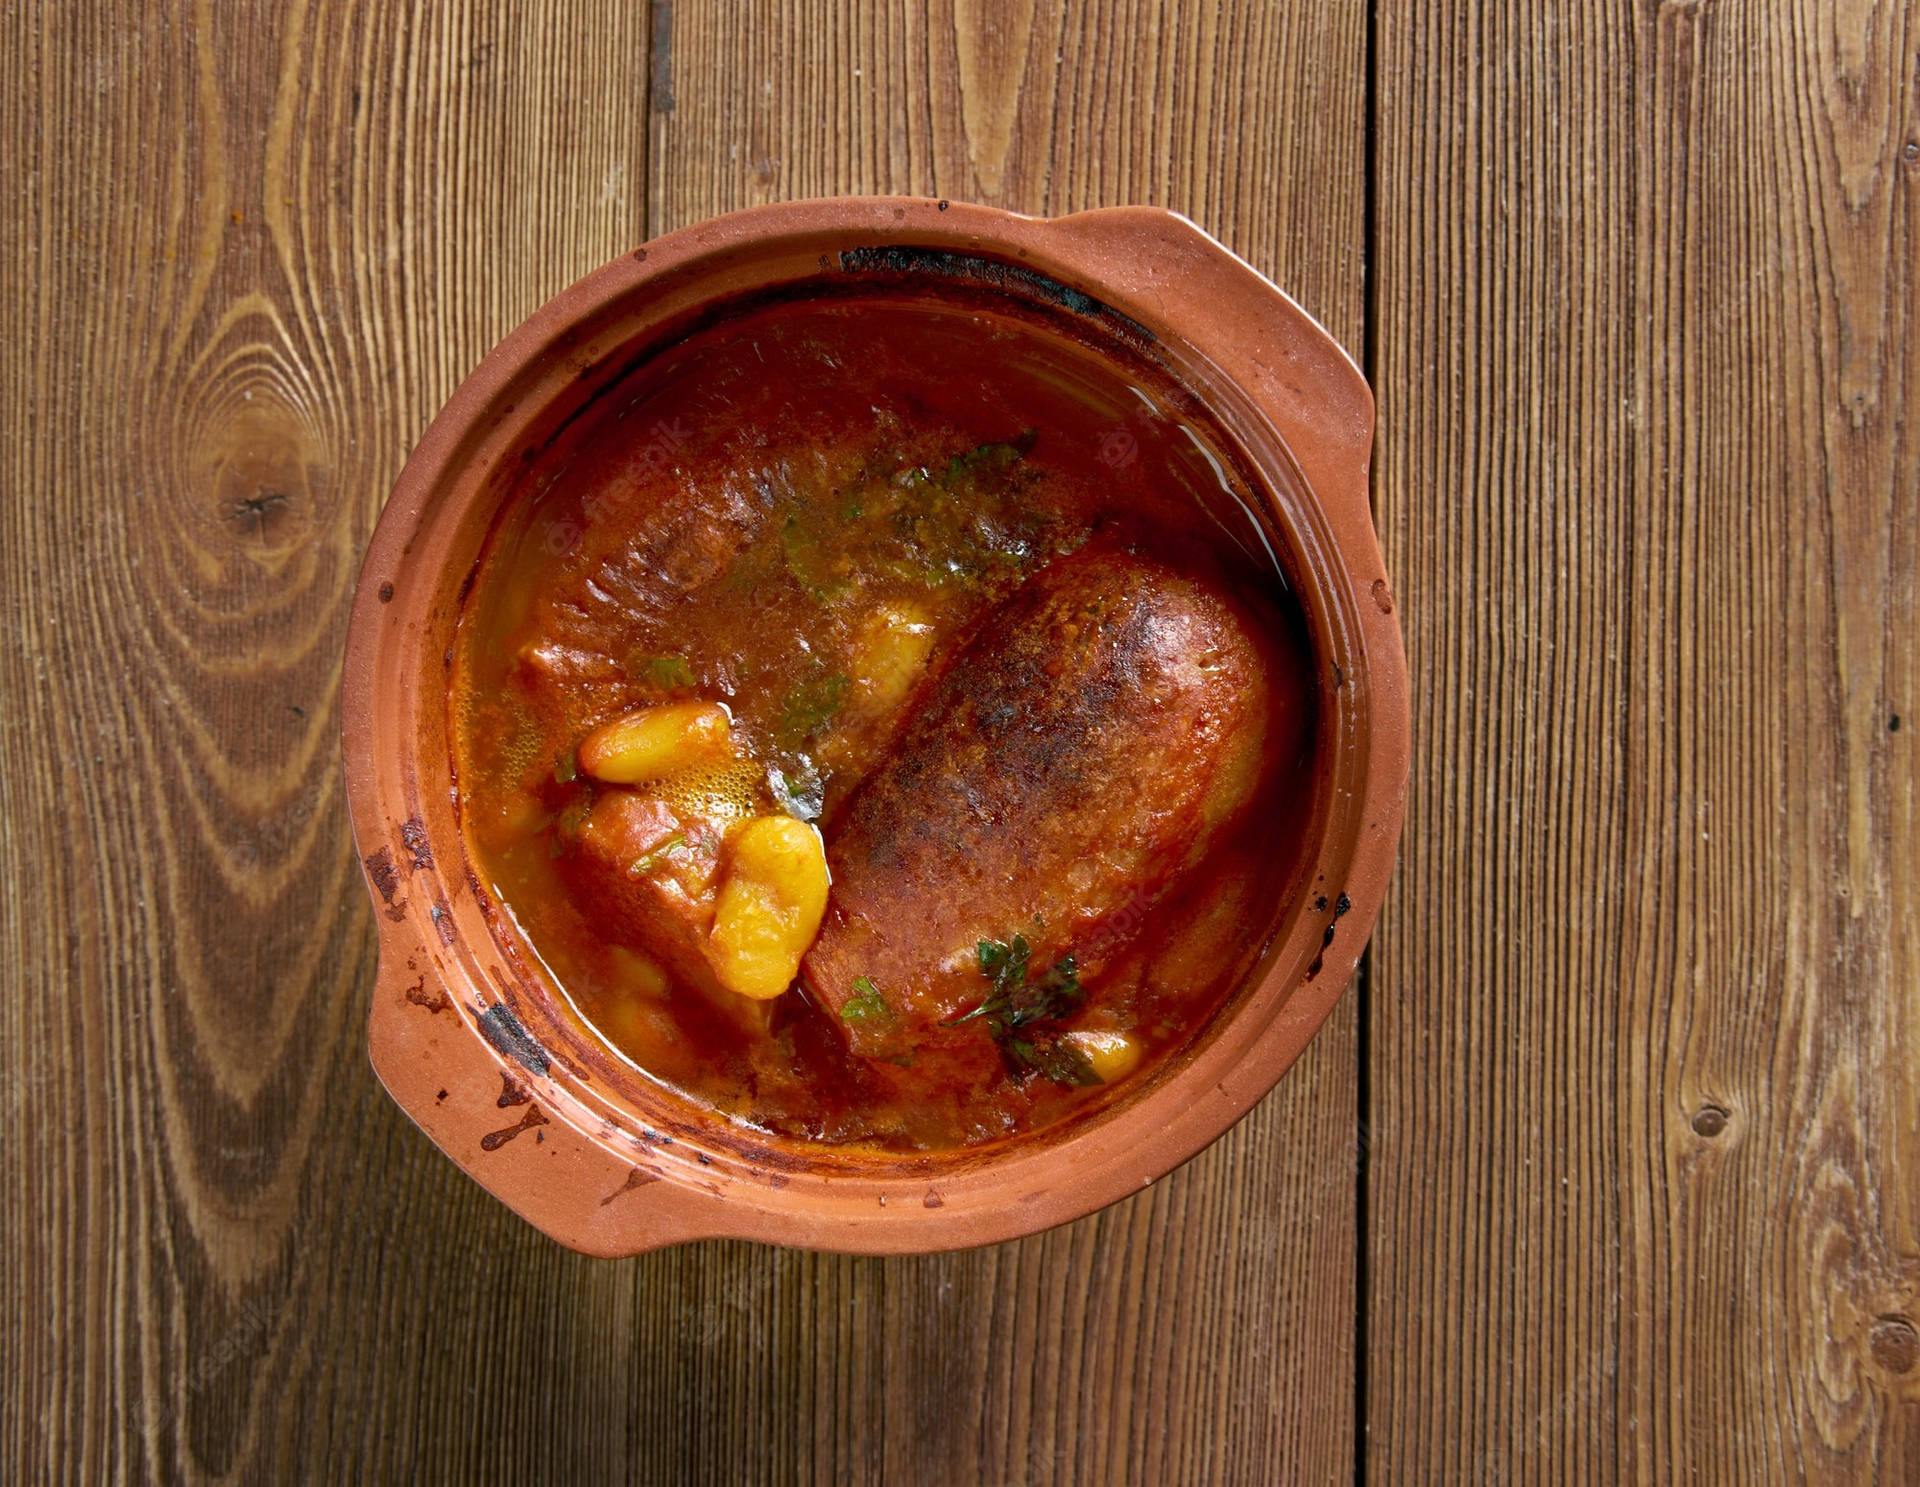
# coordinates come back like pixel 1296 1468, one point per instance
pixel 654 742
pixel 643 1030
pixel 1113 1054
pixel 508 817
pixel 772 896
pixel 891 653
pixel 638 974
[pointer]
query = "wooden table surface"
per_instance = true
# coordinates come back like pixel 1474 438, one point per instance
pixel 1609 1169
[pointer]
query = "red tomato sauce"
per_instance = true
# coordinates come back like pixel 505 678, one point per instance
pixel 806 513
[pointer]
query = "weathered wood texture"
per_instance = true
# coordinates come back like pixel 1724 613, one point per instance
pixel 249 250
pixel 1644 1092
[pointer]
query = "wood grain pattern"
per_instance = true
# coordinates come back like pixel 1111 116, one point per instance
pixel 1201 1331
pixel 250 250
pixel 1645 1045
pixel 1642 1133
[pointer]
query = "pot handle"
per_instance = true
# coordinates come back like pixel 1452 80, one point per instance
pixel 1167 273
pixel 494 1116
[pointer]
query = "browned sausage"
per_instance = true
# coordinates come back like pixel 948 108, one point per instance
pixel 1077 756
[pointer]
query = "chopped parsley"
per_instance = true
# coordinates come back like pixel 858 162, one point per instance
pixel 662 673
pixel 865 1004
pixel 988 459
pixel 1017 1010
pixel 648 860
pixel 1059 1060
pixel 812 705
pixel 570 823
pixel 823 573
pixel 565 769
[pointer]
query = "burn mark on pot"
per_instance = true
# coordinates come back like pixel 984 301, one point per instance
pixel 443 921
pixel 441 1096
pixel 433 1001
pixel 380 873
pixel 413 833
pixel 1341 905
pixel 899 258
pixel 503 1030
pixel 519 990
pixel 512 1091
pixel 637 1177
pixel 494 1140
pixel 746 1150
pixel 933 1200
pixel 773 1156
pixel 778 1180
pixel 386 593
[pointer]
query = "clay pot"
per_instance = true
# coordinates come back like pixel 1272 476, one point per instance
pixel 498 1071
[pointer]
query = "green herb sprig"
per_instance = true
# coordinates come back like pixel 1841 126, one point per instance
pixel 571 821
pixel 661 673
pixel 988 459
pixel 866 1004
pixel 811 705
pixel 1017 1007
pixel 648 860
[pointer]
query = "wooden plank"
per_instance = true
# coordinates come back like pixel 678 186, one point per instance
pixel 250 251
pixel 1645 1085
pixel 1202 1331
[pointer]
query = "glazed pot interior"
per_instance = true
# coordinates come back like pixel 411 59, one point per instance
pixel 511 441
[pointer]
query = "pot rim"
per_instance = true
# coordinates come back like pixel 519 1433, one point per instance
pixel 1276 379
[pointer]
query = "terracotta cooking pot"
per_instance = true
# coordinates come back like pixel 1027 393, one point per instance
pixel 497 1069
